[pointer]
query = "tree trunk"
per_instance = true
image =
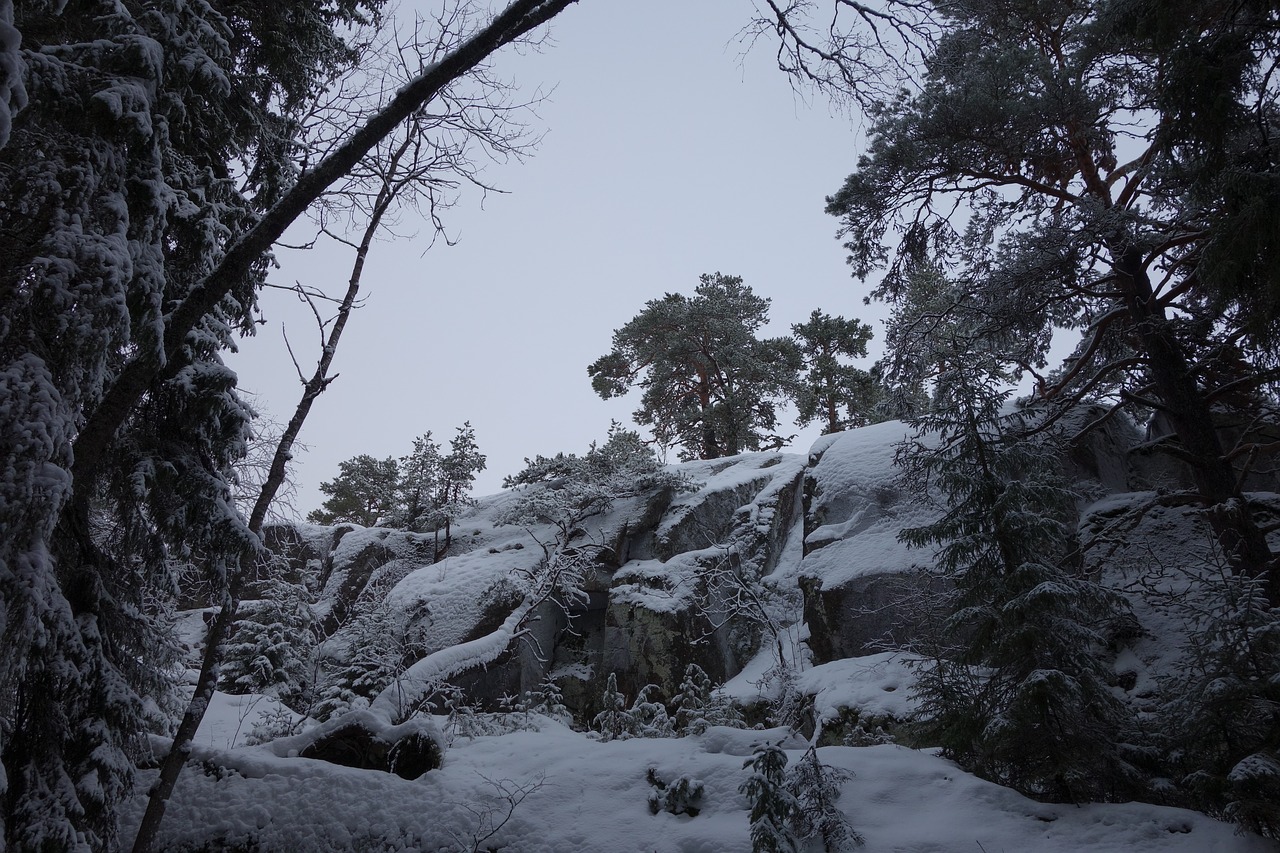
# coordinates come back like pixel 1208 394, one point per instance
pixel 1188 411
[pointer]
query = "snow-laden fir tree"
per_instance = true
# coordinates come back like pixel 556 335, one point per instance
pixel 1016 687
pixel 271 650
pixel 698 706
pixel 612 722
pixel 372 652
pixel 148 157
pixel 119 198
pixel 548 700
pixel 816 788
pixel 774 809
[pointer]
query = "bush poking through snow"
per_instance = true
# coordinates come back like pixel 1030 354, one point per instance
pixel 816 787
pixel 679 797
pixel 648 716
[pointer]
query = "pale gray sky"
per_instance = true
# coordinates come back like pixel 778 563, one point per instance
pixel 667 154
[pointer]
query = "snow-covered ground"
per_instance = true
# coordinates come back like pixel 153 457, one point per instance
pixel 553 790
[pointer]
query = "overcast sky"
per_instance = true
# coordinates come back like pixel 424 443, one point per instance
pixel 666 154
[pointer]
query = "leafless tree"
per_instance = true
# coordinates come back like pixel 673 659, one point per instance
pixel 417 164
pixel 857 54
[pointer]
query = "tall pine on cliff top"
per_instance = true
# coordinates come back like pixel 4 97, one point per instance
pixel 711 387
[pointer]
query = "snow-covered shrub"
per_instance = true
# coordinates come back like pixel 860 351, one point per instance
pixel 816 787
pixel 682 796
pixel 789 705
pixel 277 723
pixel 649 716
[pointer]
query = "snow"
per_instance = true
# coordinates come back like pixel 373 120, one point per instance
pixel 423 677
pixel 576 793
pixel 876 685
pixel 13 95
pixel 859 495
pixel 229 719
pixel 553 789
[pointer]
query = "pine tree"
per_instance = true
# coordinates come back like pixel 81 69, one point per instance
pixel 364 492
pixel 420 475
pixel 1151 238
pixel 457 472
pixel 710 385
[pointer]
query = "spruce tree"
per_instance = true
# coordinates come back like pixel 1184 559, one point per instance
pixel 816 788
pixel 691 700
pixel 1019 692
pixel 612 722
pixel 270 650
pixel 774 809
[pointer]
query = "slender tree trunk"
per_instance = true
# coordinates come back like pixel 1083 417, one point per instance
pixel 1188 411
pixel 710 447
pixel 223 622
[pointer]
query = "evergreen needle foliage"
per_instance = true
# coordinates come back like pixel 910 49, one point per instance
pixel 1020 696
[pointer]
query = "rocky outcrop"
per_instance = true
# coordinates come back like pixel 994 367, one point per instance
pixel 682 577
pixel 664 592
pixel 365 742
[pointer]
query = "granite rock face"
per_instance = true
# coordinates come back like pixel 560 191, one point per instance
pixel 760 542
